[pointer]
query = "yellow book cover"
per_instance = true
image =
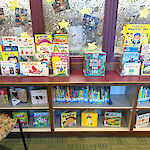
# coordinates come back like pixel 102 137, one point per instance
pixel 89 119
pixel 136 34
pixel 10 56
pixel 68 119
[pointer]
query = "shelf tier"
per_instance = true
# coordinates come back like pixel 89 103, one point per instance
pixel 145 105
pixel 76 77
pixel 118 102
pixel 142 129
pixel 32 130
pixel 100 127
pixel 26 106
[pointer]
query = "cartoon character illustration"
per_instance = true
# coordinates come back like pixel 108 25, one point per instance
pixel 69 122
pixel 89 120
pixel 136 39
pixel 34 70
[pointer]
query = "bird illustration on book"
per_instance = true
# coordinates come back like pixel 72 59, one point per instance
pixel 34 70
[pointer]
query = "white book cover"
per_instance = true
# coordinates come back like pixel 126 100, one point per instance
pixel 34 69
pixel 44 49
pixel 142 120
pixel 42 57
pixel 9 41
pixel 145 49
pixel 25 40
pixel 60 47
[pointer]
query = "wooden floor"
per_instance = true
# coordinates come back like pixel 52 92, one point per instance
pixel 78 143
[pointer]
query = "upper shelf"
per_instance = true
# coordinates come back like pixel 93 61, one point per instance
pixel 77 77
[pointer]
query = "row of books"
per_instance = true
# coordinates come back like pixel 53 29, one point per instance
pixel 136 52
pixel 40 118
pixel 144 94
pixel 90 119
pixel 19 96
pixel 82 94
pixel 36 58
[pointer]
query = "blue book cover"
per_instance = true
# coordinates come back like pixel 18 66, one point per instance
pixel 131 49
pixel 130 58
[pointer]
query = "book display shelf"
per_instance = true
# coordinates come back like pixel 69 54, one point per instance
pixel 124 102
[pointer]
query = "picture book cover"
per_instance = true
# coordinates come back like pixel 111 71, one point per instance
pixel 41 119
pixel 60 5
pixel 112 119
pixel 61 38
pixel 60 47
pixel 18 96
pixel 145 57
pixel 136 35
pixel 8 68
pixel 34 69
pixel 39 96
pixel 145 49
pixel 90 22
pixel 131 69
pixel 142 120
pixel 23 116
pixel 9 41
pixel 44 49
pixel 25 40
pixel 26 58
pixel 60 57
pixel 2 16
pixel 3 96
pixel 130 58
pixel 68 119
pixel 42 57
pixel 94 64
pixel 145 68
pixel 60 69
pixel 43 39
pixel 89 119
pixel 10 48
pixel 21 16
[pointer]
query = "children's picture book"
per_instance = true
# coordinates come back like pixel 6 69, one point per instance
pixel 18 96
pixel 68 119
pixel 8 68
pixel 60 69
pixel 142 120
pixel 25 40
pixel 10 48
pixel 60 47
pixel 39 96
pixel 112 119
pixel 26 58
pixel 94 64
pixel 2 16
pixel 44 49
pixel 3 96
pixel 145 68
pixel 34 69
pixel 131 69
pixel 42 57
pixel 60 5
pixel 136 35
pixel 41 119
pixel 89 119
pixel 145 57
pixel 9 41
pixel 145 49
pixel 130 58
pixel 21 16
pixel 90 22
pixel 23 116
pixel 58 38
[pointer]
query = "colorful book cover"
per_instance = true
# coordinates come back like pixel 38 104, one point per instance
pixel 68 119
pixel 8 68
pixel 3 96
pixel 145 49
pixel 136 35
pixel 44 49
pixel 145 57
pixel 9 41
pixel 18 96
pixel 23 118
pixel 145 68
pixel 60 69
pixel 142 120
pixel 25 40
pixel 26 58
pixel 130 58
pixel 41 119
pixel 89 119
pixel 39 96
pixel 61 38
pixel 112 119
pixel 131 69
pixel 60 57
pixel 94 64
pixel 42 57
pixel 10 48
pixel 34 69
pixel 60 47
pixel 21 16
pixel 43 39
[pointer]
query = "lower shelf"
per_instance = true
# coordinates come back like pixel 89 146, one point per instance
pixel 32 130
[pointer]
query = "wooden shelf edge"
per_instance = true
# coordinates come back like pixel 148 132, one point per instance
pixel 32 130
